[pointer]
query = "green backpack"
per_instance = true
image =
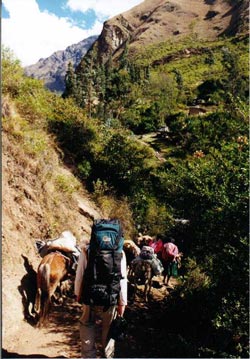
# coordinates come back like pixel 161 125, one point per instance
pixel 103 273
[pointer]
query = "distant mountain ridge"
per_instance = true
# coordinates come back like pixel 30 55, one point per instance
pixel 52 69
pixel 150 22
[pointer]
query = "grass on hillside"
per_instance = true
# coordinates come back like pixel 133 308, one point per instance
pixel 29 111
pixel 193 68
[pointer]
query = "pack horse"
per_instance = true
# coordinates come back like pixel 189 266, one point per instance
pixel 52 270
pixel 141 273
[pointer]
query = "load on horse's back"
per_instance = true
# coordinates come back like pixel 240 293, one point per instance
pixel 65 243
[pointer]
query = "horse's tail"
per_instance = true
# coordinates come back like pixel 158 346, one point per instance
pixel 43 293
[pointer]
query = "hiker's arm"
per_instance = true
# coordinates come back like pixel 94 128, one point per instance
pixel 121 310
pixel 124 285
pixel 82 263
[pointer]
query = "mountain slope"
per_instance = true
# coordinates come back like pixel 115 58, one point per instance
pixel 53 69
pixel 154 21
pixel 34 206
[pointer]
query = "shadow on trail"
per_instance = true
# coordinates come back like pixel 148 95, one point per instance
pixel 145 325
pixel 64 319
pixel 27 289
pixel 6 354
pixel 144 329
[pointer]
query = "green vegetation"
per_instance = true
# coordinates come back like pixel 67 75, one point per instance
pixel 202 176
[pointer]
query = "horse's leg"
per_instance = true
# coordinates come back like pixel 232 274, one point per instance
pixel 133 284
pixel 132 279
pixel 37 306
pixel 145 294
pixel 135 290
pixel 150 283
pixel 58 294
pixel 65 288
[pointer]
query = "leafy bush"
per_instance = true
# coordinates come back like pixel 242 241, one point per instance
pixel 124 163
pixel 12 73
pixel 66 184
pixel 84 169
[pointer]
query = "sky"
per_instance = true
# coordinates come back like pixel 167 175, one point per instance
pixel 35 29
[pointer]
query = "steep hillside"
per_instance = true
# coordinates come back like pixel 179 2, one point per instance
pixel 154 21
pixel 52 70
pixel 40 199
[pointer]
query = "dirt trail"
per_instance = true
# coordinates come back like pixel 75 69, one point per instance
pixel 60 339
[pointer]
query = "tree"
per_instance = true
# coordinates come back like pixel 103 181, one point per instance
pixel 235 82
pixel 70 82
pixel 162 90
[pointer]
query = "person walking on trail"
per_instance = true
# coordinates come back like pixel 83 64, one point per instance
pixel 101 286
pixel 170 257
pixel 157 245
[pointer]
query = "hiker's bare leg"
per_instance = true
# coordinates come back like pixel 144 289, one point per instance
pixel 108 347
pixel 87 333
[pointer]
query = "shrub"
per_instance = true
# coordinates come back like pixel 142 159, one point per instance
pixel 12 73
pixel 66 184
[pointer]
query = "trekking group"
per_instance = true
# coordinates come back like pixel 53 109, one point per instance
pixel 101 279
pixel 101 282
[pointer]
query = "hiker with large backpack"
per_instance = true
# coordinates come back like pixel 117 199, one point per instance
pixel 101 286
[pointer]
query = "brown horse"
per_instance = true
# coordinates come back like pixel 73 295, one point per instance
pixel 53 269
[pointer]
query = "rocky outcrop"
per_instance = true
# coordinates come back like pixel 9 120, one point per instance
pixel 114 35
pixel 52 70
